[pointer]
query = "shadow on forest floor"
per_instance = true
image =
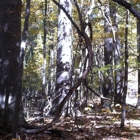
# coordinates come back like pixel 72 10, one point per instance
pixel 103 125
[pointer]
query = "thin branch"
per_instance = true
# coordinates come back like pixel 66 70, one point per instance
pixel 69 17
pixel 129 7
pixel 80 15
pixel 105 98
pixel 108 19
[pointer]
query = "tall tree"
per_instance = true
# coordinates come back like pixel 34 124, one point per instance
pixel 126 73
pixel 108 55
pixel 10 38
pixel 138 58
pixel 44 62
pixel 64 55
pixel 16 119
pixel 44 51
pixel 116 53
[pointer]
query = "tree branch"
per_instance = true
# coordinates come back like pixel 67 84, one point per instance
pixel 129 7
pixel 80 16
pixel 76 85
pixel 69 17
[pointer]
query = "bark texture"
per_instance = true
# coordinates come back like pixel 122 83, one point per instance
pixel 10 35
pixel 64 55
pixel 108 57
pixel 138 58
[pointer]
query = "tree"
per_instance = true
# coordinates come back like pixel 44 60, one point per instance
pixel 138 58
pixel 16 118
pixel 126 74
pixel 59 107
pixel 84 18
pixel 12 56
pixel 117 55
pixel 10 38
pixel 64 55
pixel 108 85
pixel 44 62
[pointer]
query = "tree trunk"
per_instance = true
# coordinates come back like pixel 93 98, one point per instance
pixel 44 64
pixel 64 56
pixel 10 37
pixel 117 52
pixel 126 74
pixel 108 58
pixel 138 58
pixel 18 118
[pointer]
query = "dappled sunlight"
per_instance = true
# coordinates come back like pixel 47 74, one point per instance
pixel 70 70
pixel 2 101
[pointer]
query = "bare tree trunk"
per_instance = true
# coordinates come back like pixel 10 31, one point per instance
pixel 44 51
pixel 10 38
pixel 21 59
pixel 117 52
pixel 138 58
pixel 126 74
pixel 64 56
pixel 108 58
pixel 44 65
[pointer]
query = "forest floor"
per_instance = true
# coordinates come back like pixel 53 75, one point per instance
pixel 93 124
pixel 103 125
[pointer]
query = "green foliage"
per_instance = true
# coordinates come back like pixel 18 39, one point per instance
pixel 34 52
pixel 33 61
